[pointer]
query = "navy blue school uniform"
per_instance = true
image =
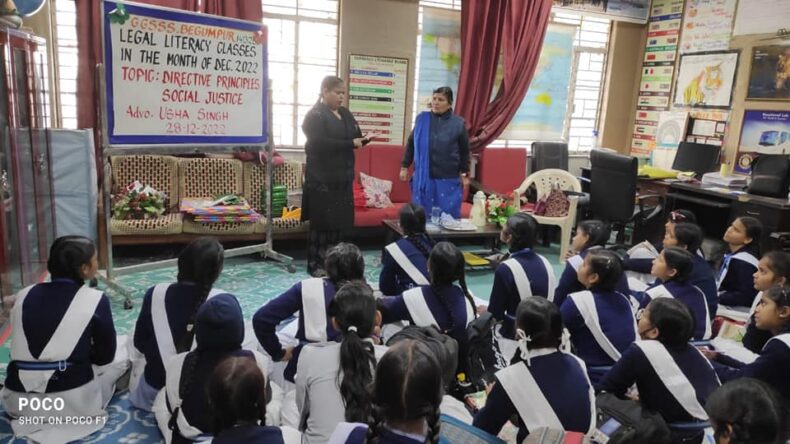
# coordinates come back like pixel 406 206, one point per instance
pixel 562 380
pixel 394 279
pixel 510 289
pixel 735 280
pixel 450 316
pixel 689 295
pixel 770 367
pixel 252 434
pixel 702 277
pixel 315 327
pixel 42 310
pixel 357 433
pixel 569 281
pixel 635 367
pixel 615 316
pixel 645 265
pixel 180 300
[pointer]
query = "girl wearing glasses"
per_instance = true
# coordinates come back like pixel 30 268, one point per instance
pixel 599 319
pixel 740 263
pixel 672 377
pixel 672 268
pixel 773 315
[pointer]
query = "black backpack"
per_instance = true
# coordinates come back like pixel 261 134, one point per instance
pixel 626 421
pixel 485 358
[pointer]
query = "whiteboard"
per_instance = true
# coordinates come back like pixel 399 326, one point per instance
pixel 174 77
pixel 761 16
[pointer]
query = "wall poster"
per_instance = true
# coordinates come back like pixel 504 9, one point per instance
pixel 706 80
pixel 377 87
pixel 770 73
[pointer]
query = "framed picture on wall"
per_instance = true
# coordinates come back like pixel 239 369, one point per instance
pixel 770 73
pixel 706 79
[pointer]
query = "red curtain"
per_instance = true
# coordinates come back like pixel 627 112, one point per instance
pixel 241 9
pixel 523 27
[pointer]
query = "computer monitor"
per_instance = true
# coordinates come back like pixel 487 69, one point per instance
pixel 696 157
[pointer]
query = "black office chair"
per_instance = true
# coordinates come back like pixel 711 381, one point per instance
pixel 549 155
pixel 613 195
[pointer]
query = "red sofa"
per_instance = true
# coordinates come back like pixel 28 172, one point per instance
pixel 383 162
pixel 502 170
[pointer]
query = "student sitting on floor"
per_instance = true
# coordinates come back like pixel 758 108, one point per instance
pixel 747 411
pixel 310 298
pixel 407 392
pixel 600 319
pixel 165 326
pixel 404 263
pixel 772 270
pixel 739 264
pixel 543 386
pixel 591 235
pixel 332 378
pixel 444 304
pixel 237 399
pixel 772 314
pixel 643 263
pixel 63 347
pixel 672 376
pixel 672 268
pixel 689 236
pixel 182 407
pixel 524 274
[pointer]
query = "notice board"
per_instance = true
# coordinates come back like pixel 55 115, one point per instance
pixel 174 77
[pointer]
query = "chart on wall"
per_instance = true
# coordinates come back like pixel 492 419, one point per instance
pixel 541 115
pixel 707 25
pixel 655 86
pixel 761 16
pixel 175 77
pixel 763 132
pixel 770 73
pixel 706 79
pixel 440 53
pixel 625 10
pixel 377 95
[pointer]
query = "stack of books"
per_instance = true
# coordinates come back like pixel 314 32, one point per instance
pixel 731 181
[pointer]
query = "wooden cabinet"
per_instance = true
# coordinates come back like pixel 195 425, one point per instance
pixel 27 218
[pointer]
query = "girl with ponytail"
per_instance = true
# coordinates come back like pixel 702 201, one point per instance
pixel 332 379
pixel 407 392
pixel 168 312
pixel 404 263
pixel 560 378
pixel 446 303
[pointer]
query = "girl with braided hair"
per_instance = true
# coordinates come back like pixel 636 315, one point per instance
pixel 404 263
pixel 332 379
pixel 182 410
pixel 524 274
pixel 540 370
pixel 309 298
pixel 407 392
pixel 166 322
pixel 446 303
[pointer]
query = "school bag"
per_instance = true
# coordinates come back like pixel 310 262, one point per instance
pixel 445 346
pixel 485 358
pixel 616 418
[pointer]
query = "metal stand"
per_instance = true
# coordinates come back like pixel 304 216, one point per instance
pixel 265 249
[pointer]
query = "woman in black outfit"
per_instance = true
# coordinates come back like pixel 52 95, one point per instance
pixel 328 202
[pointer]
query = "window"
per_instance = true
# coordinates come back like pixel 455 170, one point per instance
pixel 587 71
pixel 302 50
pixel 66 46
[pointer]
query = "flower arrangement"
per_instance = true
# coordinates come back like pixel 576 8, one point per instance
pixel 498 210
pixel 138 201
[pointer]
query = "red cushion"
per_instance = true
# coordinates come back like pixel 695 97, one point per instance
pixel 385 164
pixel 502 169
pixel 361 161
pixel 360 201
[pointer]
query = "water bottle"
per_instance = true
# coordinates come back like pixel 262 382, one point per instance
pixel 595 139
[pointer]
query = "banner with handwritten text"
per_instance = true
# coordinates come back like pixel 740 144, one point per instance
pixel 173 77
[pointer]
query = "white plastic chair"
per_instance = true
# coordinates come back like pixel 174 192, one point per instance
pixel 543 181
